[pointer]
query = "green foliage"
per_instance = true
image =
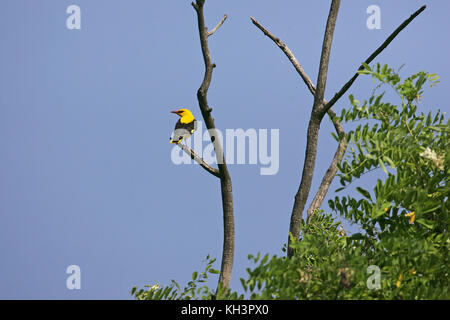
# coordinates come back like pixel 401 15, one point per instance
pixel 404 218
pixel 328 264
pixel 319 269
pixel 192 291
pixel 413 145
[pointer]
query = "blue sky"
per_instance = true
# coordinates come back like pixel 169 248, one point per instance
pixel 86 176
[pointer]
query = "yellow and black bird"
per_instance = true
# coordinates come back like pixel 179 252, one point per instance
pixel 185 126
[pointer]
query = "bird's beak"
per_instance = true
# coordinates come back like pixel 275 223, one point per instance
pixel 176 111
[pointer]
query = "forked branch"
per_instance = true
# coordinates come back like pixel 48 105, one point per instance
pixel 339 154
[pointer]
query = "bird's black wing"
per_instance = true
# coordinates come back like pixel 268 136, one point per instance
pixel 186 126
pixel 183 130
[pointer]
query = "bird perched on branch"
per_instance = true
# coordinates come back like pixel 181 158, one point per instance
pixel 185 126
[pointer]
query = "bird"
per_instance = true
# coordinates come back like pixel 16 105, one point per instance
pixel 184 127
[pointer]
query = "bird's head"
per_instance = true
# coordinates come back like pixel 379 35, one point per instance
pixel 183 112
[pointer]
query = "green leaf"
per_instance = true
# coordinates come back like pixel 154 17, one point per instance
pixel 432 208
pixel 382 166
pixel 264 259
pixel 194 275
pixel 427 223
pixel 244 284
pixel 389 160
pixel 215 271
pixel 366 66
pixel 335 136
pixel 377 212
pixel 364 72
pixel 364 192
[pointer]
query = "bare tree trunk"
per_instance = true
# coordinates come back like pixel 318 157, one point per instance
pixel 313 128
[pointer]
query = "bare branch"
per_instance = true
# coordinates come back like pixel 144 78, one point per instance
pixel 370 58
pixel 210 33
pixel 288 54
pixel 199 160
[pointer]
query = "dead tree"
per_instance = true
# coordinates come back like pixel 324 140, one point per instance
pixel 222 171
pixel 319 109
